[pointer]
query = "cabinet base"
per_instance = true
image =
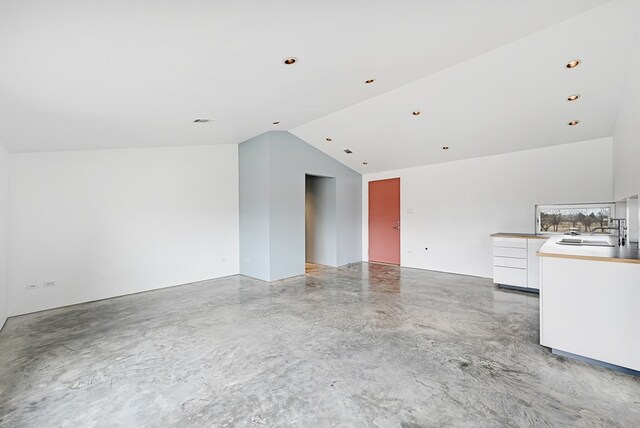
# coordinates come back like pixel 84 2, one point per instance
pixel 515 287
pixel 595 362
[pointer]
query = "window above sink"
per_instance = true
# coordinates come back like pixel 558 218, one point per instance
pixel 574 218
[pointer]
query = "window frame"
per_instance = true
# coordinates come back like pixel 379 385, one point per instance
pixel 538 208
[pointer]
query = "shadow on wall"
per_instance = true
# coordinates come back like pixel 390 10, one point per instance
pixel 321 245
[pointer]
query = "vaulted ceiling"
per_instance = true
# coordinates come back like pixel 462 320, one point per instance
pixel 486 78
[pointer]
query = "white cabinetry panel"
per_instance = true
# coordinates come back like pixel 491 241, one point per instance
pixel 520 253
pixel 533 268
pixel 510 242
pixel 515 261
pixel 510 276
pixel 590 308
pixel 510 262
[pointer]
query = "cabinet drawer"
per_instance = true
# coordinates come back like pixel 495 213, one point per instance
pixel 510 276
pixel 520 253
pixel 510 242
pixel 510 262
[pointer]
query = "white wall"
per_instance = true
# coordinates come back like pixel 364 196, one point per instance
pixel 112 222
pixel 4 246
pixel 452 208
pixel 626 135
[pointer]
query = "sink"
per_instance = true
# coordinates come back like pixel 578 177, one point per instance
pixel 585 242
pixel 597 243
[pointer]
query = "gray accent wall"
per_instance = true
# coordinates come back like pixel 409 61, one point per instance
pixel 273 167
pixel 253 158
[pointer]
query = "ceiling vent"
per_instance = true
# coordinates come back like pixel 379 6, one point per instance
pixel 348 151
pixel 203 120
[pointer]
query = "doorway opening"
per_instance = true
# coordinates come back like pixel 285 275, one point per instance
pixel 321 237
pixel 384 221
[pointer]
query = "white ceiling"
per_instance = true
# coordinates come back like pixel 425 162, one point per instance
pixel 80 74
pixel 509 99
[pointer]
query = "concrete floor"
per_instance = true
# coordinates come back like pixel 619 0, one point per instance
pixel 366 345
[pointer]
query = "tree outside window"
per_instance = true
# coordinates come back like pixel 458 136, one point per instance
pixel 588 218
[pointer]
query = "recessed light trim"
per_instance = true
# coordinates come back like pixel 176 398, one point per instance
pixel 290 60
pixel 573 64
pixel 573 97
pixel 573 123
pixel 348 151
pixel 369 81
pixel 416 113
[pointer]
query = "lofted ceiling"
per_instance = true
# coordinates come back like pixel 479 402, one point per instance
pixel 83 74
pixel 509 99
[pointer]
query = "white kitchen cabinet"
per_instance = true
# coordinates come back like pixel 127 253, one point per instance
pixel 533 267
pixel 520 253
pixel 510 242
pixel 588 303
pixel 510 276
pixel 515 263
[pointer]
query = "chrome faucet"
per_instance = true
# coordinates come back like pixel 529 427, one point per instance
pixel 622 227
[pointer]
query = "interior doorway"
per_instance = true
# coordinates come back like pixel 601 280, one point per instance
pixel 384 221
pixel 321 238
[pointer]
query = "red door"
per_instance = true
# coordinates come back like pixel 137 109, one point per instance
pixel 384 221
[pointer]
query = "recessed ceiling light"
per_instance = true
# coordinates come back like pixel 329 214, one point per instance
pixel 573 123
pixel 365 163
pixel 328 139
pixel 203 120
pixel 290 60
pixel 370 81
pixel 416 113
pixel 573 64
pixel 276 123
pixel 348 151
pixel 573 97
pixel 445 147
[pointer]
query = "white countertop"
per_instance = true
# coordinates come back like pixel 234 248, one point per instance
pixel 519 235
pixel 626 254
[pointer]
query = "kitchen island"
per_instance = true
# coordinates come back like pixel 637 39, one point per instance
pixel 590 303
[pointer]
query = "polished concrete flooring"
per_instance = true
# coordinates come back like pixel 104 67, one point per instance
pixel 365 345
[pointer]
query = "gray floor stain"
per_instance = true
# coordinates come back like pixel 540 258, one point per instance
pixel 363 345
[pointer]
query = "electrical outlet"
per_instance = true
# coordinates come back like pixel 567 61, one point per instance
pixel 32 286
pixel 49 284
